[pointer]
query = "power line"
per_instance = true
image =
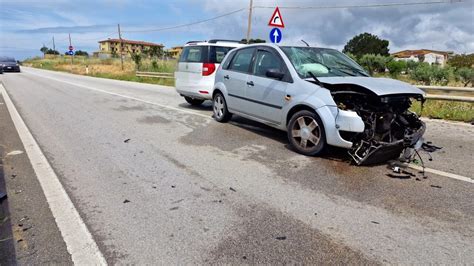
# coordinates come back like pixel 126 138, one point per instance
pixel 187 24
pixel 366 6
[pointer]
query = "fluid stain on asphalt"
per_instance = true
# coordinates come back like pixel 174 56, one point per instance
pixel 259 238
pixel 154 119
pixel 130 108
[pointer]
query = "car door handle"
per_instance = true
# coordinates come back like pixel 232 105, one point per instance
pixel 226 77
pixel 250 83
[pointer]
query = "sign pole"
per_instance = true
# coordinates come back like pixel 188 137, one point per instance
pixel 72 56
pixel 249 26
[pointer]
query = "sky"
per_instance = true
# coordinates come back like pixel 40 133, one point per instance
pixel 25 25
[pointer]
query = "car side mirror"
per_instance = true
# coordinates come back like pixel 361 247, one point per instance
pixel 275 74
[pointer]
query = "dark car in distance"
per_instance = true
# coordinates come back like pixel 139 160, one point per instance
pixel 9 64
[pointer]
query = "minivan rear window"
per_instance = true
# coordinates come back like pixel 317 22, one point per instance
pixel 204 54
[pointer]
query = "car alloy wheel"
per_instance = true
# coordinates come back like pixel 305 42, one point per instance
pixel 219 106
pixel 306 133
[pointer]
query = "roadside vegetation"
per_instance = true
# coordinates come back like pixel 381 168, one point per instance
pixel 106 68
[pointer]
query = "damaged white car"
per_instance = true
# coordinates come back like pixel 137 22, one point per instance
pixel 320 97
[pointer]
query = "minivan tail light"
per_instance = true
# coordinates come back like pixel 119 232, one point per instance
pixel 208 69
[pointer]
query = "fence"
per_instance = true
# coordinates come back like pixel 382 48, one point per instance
pixel 162 75
pixel 447 93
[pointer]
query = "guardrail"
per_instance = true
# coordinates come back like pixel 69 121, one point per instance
pixel 162 75
pixel 442 97
pixel 449 90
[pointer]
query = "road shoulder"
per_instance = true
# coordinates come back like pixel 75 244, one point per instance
pixel 33 235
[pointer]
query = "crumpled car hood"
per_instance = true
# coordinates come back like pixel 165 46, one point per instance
pixel 380 86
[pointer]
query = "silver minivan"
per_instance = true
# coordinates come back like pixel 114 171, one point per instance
pixel 320 97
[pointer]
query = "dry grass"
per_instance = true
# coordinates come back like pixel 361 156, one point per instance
pixel 106 68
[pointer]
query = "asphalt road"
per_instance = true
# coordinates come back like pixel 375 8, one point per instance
pixel 156 180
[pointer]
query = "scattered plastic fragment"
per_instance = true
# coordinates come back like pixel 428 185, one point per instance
pixel 126 141
pixel 18 191
pixel 408 173
pixel 396 169
pixel 126 201
pixel 173 186
pixel 3 196
pixel 232 189
pixel 281 237
pixel 435 186
pixel 174 208
pixel 14 153
pixel 374 222
pixel 399 176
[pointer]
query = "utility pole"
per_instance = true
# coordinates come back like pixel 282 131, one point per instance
pixel 121 45
pixel 54 45
pixel 249 27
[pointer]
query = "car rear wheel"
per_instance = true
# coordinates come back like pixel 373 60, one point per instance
pixel 219 106
pixel 192 101
pixel 306 133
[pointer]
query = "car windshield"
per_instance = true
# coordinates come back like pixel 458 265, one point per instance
pixel 7 59
pixel 322 62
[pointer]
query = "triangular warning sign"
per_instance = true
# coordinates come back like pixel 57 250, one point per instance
pixel 276 20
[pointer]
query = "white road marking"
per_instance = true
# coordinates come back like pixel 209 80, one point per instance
pixel 125 96
pixel 442 173
pixel 434 171
pixel 78 239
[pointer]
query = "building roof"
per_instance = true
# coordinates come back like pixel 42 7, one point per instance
pixel 132 42
pixel 410 53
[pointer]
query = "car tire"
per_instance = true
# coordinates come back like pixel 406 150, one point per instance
pixel 219 107
pixel 306 133
pixel 194 102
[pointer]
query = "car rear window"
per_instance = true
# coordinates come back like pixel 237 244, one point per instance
pixel 194 54
pixel 204 54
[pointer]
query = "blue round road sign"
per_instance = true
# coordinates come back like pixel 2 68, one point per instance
pixel 275 35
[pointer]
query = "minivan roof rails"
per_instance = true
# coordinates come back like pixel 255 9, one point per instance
pixel 194 42
pixel 218 40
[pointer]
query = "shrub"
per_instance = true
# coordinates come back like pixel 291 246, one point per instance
pixel 374 63
pixel 465 75
pixel 431 74
pixel 422 73
pixel 396 67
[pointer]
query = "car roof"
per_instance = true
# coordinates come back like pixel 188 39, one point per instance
pixel 6 58
pixel 225 43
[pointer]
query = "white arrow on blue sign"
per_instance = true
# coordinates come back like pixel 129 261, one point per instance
pixel 275 35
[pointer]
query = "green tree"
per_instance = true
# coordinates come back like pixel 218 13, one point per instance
pixel 422 73
pixel 137 59
pixel 44 49
pixel 253 41
pixel 80 52
pixel 155 51
pixel 465 75
pixel 374 63
pixel 366 43
pixel 396 67
pixel 462 60
pixel 51 51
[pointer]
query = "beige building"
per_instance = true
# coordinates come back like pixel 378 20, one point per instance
pixel 112 46
pixel 175 52
pixel 424 55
